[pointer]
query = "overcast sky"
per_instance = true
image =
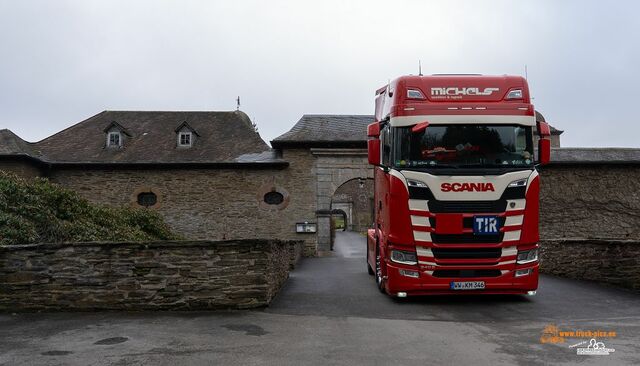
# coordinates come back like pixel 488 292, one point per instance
pixel 64 61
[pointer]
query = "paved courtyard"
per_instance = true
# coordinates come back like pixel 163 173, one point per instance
pixel 331 313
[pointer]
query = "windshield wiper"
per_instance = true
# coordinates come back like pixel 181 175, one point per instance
pixel 483 165
pixel 447 166
pixel 495 166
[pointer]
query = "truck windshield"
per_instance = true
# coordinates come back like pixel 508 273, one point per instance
pixel 464 146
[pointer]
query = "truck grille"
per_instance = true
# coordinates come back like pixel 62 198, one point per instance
pixel 466 238
pixel 467 222
pixel 466 253
pixel 467 206
pixel 466 273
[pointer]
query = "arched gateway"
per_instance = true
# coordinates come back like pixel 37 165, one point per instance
pixel 333 149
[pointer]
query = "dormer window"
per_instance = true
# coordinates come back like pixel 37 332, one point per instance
pixel 184 139
pixel 114 139
pixel 115 134
pixel 186 135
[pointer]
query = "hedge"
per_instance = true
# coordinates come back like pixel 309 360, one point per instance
pixel 38 211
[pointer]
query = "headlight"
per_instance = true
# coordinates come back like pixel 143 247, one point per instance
pixel 400 256
pixel 527 256
pixel 416 183
pixel 518 183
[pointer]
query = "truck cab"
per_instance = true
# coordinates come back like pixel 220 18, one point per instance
pixel 456 186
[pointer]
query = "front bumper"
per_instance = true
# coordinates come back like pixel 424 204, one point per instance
pixel 427 284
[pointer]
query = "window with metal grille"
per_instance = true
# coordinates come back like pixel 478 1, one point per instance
pixel 147 199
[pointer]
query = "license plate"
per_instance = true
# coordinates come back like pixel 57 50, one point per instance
pixel 468 285
pixel 486 225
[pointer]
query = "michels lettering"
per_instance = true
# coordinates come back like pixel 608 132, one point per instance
pixel 467 187
pixel 463 91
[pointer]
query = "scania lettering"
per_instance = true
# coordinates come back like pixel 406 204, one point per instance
pixel 459 187
pixel 456 186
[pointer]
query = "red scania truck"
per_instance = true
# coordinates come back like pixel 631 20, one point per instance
pixel 456 186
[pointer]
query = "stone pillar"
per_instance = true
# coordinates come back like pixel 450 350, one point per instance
pixel 324 231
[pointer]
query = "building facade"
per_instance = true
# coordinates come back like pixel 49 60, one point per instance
pixel 211 176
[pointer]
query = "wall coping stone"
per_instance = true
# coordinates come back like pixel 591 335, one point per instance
pixel 151 244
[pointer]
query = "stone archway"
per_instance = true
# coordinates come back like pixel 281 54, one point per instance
pixel 341 219
pixel 335 167
pixel 355 198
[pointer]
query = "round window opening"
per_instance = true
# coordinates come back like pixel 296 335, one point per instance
pixel 273 198
pixel 147 199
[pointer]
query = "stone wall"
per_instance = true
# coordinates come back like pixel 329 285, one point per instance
pixel 20 167
pixel 209 204
pixel 615 262
pixel 577 200
pixel 134 276
pixel 587 201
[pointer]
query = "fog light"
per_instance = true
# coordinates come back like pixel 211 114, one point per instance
pixel 405 272
pixel 527 256
pixel 402 294
pixel 523 272
pixel 531 293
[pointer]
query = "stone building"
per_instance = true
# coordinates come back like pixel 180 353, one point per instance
pixel 211 176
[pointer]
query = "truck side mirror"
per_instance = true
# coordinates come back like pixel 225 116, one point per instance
pixel 544 151
pixel 373 130
pixel 543 129
pixel 373 147
pixel 544 144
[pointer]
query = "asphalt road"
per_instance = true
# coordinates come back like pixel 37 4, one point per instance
pixel 330 313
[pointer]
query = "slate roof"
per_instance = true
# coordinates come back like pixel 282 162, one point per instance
pixel 594 155
pixel 326 130
pixel 11 144
pixel 222 137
